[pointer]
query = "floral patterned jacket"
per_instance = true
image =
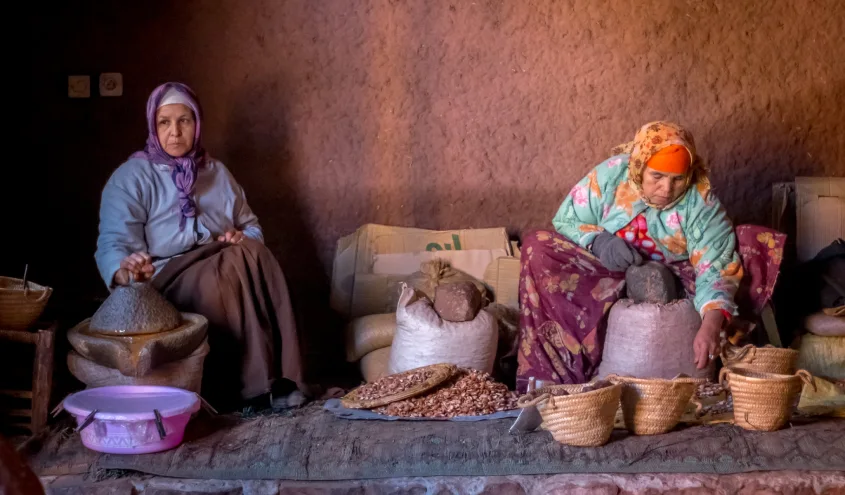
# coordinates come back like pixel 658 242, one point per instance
pixel 697 229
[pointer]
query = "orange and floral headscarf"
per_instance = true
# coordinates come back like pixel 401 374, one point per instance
pixel 661 145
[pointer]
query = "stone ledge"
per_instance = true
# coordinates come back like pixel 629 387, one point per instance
pixel 781 482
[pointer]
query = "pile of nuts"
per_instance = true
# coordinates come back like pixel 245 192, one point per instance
pixel 709 389
pixel 714 390
pixel 469 393
pixel 721 407
pixel 394 384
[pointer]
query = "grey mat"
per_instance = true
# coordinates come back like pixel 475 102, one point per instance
pixel 312 444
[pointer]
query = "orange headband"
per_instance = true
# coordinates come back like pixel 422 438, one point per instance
pixel 673 159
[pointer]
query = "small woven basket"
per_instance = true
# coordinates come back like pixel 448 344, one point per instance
pixel 767 359
pixel 651 406
pixel 583 419
pixel 21 307
pixel 763 401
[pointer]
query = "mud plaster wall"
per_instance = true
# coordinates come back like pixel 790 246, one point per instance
pixel 432 114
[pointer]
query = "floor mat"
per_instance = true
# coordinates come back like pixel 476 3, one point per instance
pixel 312 444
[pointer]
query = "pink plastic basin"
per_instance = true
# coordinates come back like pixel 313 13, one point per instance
pixel 125 420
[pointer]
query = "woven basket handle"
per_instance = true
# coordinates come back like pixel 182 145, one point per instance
pixel 682 378
pixel 44 295
pixel 614 378
pixel 724 379
pixel 528 400
pixel 698 406
pixel 737 354
pixel 807 378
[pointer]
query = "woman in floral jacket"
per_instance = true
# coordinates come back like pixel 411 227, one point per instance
pixel 650 201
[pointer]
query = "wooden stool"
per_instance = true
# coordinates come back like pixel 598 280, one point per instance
pixel 42 375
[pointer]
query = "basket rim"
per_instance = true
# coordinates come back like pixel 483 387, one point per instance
pixel 657 381
pixel 740 373
pixel 33 287
pixel 768 348
pixel 547 389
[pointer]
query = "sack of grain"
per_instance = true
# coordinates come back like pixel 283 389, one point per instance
pixel 369 333
pixel 822 356
pixel 652 340
pixel 374 364
pixel 423 338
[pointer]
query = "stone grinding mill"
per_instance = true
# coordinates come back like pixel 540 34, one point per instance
pixel 137 337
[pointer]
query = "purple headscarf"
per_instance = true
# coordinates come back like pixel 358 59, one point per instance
pixel 184 169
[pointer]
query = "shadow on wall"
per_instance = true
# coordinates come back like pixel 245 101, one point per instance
pixel 258 138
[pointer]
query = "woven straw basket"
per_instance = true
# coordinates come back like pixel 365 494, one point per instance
pixel 767 359
pixel 19 308
pixel 651 406
pixel 763 401
pixel 581 419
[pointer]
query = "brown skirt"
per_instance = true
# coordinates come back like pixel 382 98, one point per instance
pixel 242 291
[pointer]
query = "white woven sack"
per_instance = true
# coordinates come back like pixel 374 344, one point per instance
pixel 423 338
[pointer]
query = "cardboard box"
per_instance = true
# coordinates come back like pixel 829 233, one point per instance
pixel 357 290
pixel 502 276
pixel 470 261
pixel 820 212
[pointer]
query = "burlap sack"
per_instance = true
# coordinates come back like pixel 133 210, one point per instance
pixel 369 333
pixel 374 364
pixel 652 340
pixel 423 338
pixel 822 356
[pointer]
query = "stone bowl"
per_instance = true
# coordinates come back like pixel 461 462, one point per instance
pixel 137 355
pixel 185 373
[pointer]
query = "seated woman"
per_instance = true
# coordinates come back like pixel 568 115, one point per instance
pixel 174 215
pixel 651 201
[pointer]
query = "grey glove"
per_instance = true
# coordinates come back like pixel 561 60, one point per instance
pixel 614 253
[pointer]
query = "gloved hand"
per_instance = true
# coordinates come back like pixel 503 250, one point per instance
pixel 614 253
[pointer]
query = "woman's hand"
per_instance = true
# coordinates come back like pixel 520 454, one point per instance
pixel 706 343
pixel 139 265
pixel 614 253
pixel 232 237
